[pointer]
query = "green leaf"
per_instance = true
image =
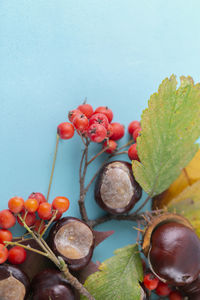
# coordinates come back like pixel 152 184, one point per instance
pixel 170 128
pixel 118 277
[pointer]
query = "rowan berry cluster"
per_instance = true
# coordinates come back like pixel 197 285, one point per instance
pixel 36 213
pixel 152 283
pixel 96 125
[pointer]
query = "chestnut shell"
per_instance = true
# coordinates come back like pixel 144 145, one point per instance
pixel 137 190
pixel 7 270
pixel 73 264
pixel 51 283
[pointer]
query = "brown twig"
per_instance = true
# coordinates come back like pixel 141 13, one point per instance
pixel 108 217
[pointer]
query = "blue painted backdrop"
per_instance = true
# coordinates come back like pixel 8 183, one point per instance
pixel 55 53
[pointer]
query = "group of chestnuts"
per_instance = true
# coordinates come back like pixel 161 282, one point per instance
pixel 169 243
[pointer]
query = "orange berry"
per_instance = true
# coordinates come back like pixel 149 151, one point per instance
pixel 16 204
pixel 5 235
pixel 7 220
pixel 44 211
pixel 31 205
pixel 61 204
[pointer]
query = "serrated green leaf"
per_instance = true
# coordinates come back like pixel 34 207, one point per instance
pixel 118 277
pixel 170 128
pixel 187 203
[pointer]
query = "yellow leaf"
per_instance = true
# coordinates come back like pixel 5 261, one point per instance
pixel 187 203
pixel 188 176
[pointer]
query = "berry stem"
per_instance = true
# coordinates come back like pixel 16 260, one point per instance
pixel 53 166
pixel 49 224
pixel 126 145
pixel 26 247
pixel 118 153
pixel 97 155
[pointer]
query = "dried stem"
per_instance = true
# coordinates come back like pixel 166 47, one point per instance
pixel 53 166
pixel 26 247
pixel 97 155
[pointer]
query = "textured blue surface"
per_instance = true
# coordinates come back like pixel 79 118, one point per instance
pixel 55 53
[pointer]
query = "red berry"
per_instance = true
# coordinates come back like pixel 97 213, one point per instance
pixel 38 196
pixel 175 295
pixel 16 255
pixel 44 211
pixel 3 253
pixel 112 145
pixel 133 126
pixel 29 220
pixel 39 226
pixel 81 123
pixel 163 289
pixel 31 205
pixel 99 119
pixel 86 109
pixel 73 113
pixel 136 133
pixel 16 204
pixel 150 281
pixel 132 152
pixel 7 220
pixel 106 111
pixel 97 133
pixel 109 130
pixel 5 235
pixel 61 204
pixel 118 131
pixel 65 130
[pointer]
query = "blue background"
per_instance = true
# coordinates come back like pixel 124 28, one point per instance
pixel 55 53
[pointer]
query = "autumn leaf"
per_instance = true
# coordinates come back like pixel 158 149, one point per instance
pixel 188 176
pixel 118 277
pixel 170 128
pixel 187 203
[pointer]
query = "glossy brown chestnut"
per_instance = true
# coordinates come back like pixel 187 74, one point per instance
pixel 116 190
pixel 50 284
pixel 14 284
pixel 192 290
pixel 73 240
pixel 174 254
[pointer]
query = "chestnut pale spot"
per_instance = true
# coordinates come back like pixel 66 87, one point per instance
pixel 74 240
pixel 116 189
pixel 12 289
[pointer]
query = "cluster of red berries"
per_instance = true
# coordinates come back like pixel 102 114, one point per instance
pixel 152 283
pixel 95 124
pixel 134 130
pixel 35 205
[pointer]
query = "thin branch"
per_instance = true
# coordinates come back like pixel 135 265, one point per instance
pixel 97 155
pixel 75 283
pixel 53 166
pixel 49 224
pixel 118 153
pixel 108 217
pixel 126 145
pixel 26 247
